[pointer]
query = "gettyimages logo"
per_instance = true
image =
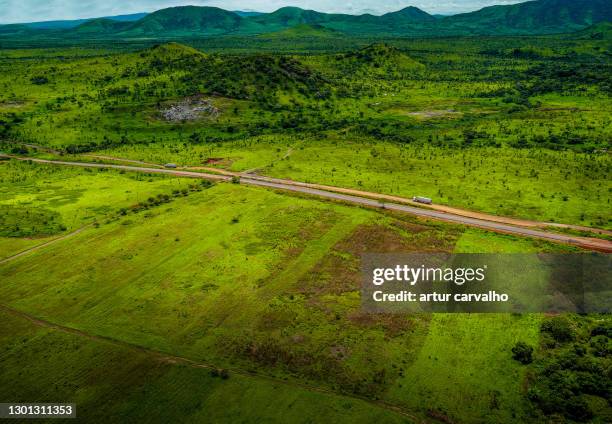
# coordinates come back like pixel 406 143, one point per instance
pixel 440 282
pixel 413 275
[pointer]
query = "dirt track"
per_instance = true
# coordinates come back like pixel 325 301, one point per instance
pixel 40 246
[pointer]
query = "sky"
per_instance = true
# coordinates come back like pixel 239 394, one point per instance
pixel 14 11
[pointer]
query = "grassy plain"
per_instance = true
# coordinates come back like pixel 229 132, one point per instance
pixel 251 280
pixel 39 202
pixel 216 278
pixel 567 187
pixel 116 383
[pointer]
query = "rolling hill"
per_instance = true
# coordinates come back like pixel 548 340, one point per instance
pixel 533 17
pixel 100 26
pixel 66 24
pixel 377 59
pixel 390 23
pixel 190 21
pixel 258 77
pixel 407 15
pixel 290 16
pixel 600 31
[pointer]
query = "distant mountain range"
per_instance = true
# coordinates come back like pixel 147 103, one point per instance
pixel 76 22
pixel 529 18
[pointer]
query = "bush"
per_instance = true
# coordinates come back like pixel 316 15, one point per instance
pixel 602 330
pixel 559 328
pixel 601 346
pixel 578 409
pixel 523 353
pixel 220 372
pixel 39 80
pixel 20 150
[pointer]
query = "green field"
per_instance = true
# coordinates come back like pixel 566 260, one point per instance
pixel 136 385
pixel 535 184
pixel 214 277
pixel 144 297
pixel 39 202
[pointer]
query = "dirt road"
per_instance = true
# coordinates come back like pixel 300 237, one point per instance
pixel 491 225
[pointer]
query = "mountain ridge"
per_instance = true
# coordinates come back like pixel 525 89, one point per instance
pixel 72 23
pixel 528 18
pixel 548 15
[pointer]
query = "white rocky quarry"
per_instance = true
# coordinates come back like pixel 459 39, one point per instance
pixel 190 109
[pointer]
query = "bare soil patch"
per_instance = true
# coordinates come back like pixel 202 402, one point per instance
pixel 429 114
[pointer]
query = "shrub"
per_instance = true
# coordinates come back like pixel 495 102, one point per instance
pixel 602 330
pixel 601 346
pixel 523 353
pixel 39 80
pixel 19 150
pixel 578 409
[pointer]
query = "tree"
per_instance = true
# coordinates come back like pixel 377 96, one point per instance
pixel 559 328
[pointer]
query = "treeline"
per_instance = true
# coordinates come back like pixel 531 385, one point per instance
pixel 572 369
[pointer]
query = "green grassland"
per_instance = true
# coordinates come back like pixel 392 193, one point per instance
pixel 264 286
pixel 504 127
pixel 39 202
pixel 539 184
pixel 248 279
pixel 132 385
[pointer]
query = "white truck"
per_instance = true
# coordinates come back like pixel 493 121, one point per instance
pixel 421 199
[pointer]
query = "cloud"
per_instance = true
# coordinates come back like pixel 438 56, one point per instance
pixel 12 11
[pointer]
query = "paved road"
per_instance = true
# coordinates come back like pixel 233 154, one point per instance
pixel 584 242
pixel 519 222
